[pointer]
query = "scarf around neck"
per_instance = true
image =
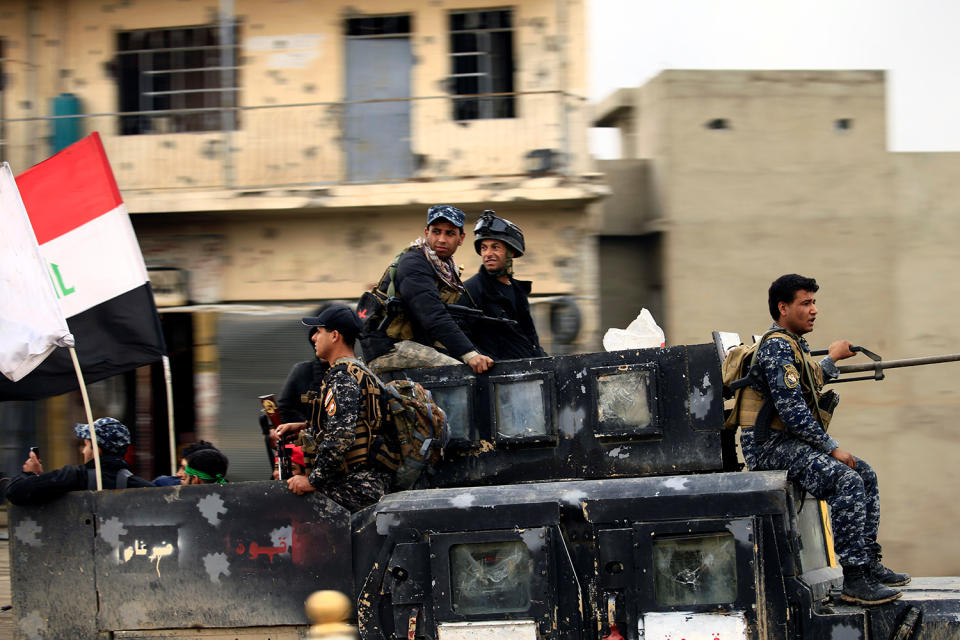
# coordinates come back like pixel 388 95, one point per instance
pixel 445 268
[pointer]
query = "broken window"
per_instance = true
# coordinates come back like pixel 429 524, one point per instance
pixel 185 71
pixel 481 60
pixel 490 577
pixel 695 570
pixel 520 409
pixel 624 404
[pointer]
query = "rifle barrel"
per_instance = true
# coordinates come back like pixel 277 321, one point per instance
pixel 895 364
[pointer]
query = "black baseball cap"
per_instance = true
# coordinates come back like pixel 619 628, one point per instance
pixel 336 318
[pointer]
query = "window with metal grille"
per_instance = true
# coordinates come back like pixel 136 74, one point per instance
pixel 481 58
pixel 188 72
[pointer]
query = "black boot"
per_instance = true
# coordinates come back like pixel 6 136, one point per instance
pixel 860 587
pixel 886 576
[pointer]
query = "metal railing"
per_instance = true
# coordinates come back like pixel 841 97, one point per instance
pixel 320 143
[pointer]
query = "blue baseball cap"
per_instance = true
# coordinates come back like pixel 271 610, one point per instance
pixel 446 212
pixel 112 435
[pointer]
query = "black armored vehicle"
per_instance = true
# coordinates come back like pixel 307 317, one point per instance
pixel 581 497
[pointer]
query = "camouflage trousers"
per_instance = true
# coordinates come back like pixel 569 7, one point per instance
pixel 852 494
pixel 408 354
pixel 357 490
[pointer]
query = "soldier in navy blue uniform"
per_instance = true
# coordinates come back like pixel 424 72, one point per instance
pixel 793 437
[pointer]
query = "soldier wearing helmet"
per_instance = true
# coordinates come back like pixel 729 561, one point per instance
pixel 498 294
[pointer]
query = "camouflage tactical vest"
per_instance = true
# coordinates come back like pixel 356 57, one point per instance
pixel 402 328
pixel 748 402
pixel 373 447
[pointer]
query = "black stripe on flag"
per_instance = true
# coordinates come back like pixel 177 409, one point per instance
pixel 121 334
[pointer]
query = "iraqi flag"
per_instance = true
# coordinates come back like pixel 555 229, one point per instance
pixel 96 268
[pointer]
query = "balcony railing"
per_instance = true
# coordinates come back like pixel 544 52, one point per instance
pixel 322 143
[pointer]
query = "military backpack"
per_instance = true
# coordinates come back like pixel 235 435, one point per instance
pixel 418 424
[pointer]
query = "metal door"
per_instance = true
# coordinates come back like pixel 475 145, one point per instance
pixel 378 133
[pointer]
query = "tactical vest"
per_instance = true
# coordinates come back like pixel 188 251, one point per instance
pixel 371 447
pixel 401 328
pixel 750 401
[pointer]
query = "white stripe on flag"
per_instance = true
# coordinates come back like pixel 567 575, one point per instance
pixel 95 262
pixel 32 324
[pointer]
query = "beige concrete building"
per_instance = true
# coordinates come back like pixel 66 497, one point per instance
pixel 277 153
pixel 732 178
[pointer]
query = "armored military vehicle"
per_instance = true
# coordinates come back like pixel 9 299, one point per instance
pixel 581 497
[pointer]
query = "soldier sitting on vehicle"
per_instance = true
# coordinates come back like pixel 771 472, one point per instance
pixel 793 437
pixel 349 456
pixel 35 486
pixel 421 332
pixel 499 294
pixel 206 466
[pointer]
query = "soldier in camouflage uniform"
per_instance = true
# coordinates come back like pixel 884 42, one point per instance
pixel 793 438
pixel 345 419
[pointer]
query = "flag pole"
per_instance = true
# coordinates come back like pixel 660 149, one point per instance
pixel 168 378
pixel 86 406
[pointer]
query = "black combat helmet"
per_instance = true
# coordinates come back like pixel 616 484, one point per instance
pixel 492 227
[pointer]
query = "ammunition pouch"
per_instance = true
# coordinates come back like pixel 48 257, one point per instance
pixel 307 444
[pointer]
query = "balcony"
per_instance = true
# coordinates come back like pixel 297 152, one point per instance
pixel 323 143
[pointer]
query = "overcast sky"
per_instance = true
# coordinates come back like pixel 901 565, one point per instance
pixel 915 41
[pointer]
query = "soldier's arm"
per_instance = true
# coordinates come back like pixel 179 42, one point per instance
pixel 418 290
pixel 783 382
pixel 342 409
pixel 838 350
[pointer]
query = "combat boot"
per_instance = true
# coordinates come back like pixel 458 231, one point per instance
pixel 860 587
pixel 886 576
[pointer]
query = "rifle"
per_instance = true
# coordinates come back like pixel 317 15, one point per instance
pixel 460 311
pixel 878 364
pixel 269 406
pixel 391 309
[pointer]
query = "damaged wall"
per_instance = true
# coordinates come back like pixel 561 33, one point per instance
pixel 293 53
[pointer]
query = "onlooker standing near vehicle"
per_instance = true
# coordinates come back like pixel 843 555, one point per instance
pixel 34 486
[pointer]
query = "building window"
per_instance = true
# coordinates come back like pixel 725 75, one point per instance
pixel 481 51
pixel 186 71
pixel 378 26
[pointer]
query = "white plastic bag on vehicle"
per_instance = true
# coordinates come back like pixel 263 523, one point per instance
pixel 642 333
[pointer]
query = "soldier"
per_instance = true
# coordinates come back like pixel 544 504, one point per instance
pixel 793 438
pixel 349 457
pixel 499 294
pixel 423 333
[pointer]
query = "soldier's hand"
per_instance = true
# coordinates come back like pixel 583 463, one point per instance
pixel 845 457
pixel 300 485
pixel 839 350
pixel 32 465
pixel 286 429
pixel 480 363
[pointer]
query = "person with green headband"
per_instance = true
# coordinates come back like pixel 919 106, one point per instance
pixel 207 466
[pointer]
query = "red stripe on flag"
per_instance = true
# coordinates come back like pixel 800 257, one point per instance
pixel 69 189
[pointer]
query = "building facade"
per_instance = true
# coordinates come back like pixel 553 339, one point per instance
pixel 732 178
pixel 275 154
